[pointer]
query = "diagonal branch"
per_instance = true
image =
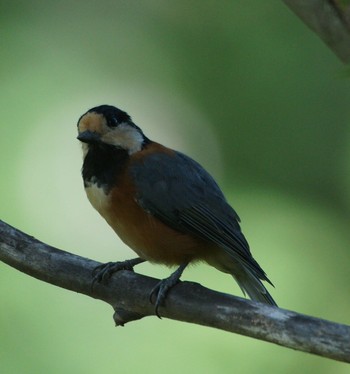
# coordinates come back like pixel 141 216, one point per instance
pixel 128 293
pixel 328 20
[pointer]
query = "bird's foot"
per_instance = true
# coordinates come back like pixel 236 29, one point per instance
pixel 160 291
pixel 102 273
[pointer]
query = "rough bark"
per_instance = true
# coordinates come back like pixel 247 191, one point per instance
pixel 128 294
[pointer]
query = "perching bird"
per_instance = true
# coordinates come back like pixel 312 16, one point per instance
pixel 162 204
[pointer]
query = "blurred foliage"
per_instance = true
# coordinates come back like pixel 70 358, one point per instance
pixel 245 88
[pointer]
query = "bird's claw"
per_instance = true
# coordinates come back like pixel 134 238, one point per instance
pixel 162 288
pixel 103 272
pixel 160 292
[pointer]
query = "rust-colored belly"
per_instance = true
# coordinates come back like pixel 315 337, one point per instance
pixel 146 235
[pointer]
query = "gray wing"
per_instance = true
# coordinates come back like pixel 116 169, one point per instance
pixel 179 192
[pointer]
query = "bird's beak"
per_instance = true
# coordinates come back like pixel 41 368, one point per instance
pixel 89 137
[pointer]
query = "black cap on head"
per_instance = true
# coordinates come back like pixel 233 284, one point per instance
pixel 113 115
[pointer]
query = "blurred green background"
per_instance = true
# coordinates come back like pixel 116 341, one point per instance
pixel 242 86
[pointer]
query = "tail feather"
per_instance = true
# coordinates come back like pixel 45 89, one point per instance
pixel 253 286
pixel 249 276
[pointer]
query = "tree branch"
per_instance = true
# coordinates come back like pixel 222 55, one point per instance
pixel 327 19
pixel 128 293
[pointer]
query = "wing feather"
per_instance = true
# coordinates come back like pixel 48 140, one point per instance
pixel 179 192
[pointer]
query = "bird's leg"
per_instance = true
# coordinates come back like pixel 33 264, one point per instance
pixel 162 288
pixel 103 272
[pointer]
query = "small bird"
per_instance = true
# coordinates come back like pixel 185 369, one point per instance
pixel 162 204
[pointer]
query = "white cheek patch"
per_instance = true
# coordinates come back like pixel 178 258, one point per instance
pixel 126 137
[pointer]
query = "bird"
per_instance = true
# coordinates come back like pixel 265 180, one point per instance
pixel 162 204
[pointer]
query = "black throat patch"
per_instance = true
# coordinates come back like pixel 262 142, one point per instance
pixel 103 165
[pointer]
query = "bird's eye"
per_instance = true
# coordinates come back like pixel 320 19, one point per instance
pixel 112 122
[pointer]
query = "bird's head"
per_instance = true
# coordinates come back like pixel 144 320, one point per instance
pixel 106 125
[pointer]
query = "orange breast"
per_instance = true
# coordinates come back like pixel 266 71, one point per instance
pixel 146 235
